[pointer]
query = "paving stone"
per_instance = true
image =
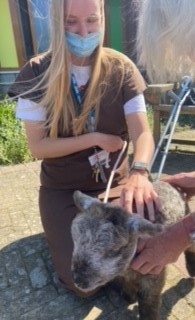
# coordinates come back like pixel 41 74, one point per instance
pixel 32 245
pixel 3 276
pixel 37 271
pixel 62 307
pixel 30 301
pixel 182 309
pixel 172 273
pixel 15 268
pixel 5 219
pixel 12 293
pixel 29 286
pixel 190 297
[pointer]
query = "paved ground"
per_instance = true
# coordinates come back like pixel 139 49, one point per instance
pixel 29 289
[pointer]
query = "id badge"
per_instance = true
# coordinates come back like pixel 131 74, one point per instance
pixel 100 157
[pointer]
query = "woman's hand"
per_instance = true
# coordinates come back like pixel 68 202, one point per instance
pixel 108 142
pixel 139 189
pixel 156 252
pixel 184 181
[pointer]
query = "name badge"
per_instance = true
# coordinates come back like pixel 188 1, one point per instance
pixel 101 157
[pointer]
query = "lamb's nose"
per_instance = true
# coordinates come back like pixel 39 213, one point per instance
pixel 80 272
pixel 80 280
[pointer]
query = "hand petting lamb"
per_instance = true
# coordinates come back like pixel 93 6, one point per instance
pixel 105 241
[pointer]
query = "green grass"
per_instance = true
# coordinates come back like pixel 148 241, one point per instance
pixel 13 144
pixel 184 121
pixel 150 116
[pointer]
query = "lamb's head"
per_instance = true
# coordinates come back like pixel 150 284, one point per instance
pixel 105 240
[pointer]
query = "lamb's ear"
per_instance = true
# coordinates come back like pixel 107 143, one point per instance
pixel 141 226
pixel 83 201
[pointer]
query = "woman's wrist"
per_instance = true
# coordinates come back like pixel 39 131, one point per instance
pixel 139 172
pixel 140 168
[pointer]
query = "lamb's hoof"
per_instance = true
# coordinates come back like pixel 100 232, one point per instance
pixel 190 262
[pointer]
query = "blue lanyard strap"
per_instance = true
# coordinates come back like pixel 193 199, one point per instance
pixel 76 89
pixel 91 126
pixel 78 97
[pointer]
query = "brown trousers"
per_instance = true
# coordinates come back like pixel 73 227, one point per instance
pixel 57 211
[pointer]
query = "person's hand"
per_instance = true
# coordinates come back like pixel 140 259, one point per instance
pixel 108 142
pixel 154 253
pixel 139 189
pixel 185 181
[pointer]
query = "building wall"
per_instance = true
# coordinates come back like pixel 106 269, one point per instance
pixel 114 24
pixel 122 18
pixel 130 11
pixel 120 32
pixel 8 55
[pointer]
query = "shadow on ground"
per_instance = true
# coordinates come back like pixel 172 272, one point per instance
pixel 175 162
pixel 29 289
pixel 174 294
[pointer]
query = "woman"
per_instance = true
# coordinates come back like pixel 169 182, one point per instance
pixel 81 101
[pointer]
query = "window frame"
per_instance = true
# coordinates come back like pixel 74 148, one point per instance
pixel 17 31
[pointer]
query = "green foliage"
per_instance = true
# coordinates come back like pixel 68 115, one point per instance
pixel 184 121
pixel 13 145
pixel 150 116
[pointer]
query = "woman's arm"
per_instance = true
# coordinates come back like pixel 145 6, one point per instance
pixel 42 146
pixel 142 139
pixel 139 187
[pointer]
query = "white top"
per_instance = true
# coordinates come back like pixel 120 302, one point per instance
pixel 28 110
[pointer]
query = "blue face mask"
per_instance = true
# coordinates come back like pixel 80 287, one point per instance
pixel 83 47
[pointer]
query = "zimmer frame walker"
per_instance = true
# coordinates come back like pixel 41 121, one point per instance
pixel 185 91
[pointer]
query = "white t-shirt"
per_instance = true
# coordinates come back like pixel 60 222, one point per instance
pixel 28 110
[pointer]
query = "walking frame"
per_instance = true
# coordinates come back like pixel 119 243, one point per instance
pixel 186 87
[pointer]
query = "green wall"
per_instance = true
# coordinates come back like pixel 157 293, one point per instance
pixel 8 54
pixel 115 24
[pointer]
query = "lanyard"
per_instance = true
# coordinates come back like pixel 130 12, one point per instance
pixel 98 167
pixel 76 90
pixel 79 100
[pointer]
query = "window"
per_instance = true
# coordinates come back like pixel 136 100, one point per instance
pixel 30 20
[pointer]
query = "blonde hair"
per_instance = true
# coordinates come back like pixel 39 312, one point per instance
pixel 165 39
pixel 56 82
pixel 51 88
pixel 57 99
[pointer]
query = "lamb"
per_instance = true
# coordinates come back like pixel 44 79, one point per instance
pixel 105 240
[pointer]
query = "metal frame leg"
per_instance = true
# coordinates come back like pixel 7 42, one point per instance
pixel 171 123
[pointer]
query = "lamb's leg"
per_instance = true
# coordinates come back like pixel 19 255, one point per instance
pixel 149 307
pixel 129 291
pixel 149 297
pixel 190 261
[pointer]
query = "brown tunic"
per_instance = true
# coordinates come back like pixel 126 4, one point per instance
pixel 61 176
